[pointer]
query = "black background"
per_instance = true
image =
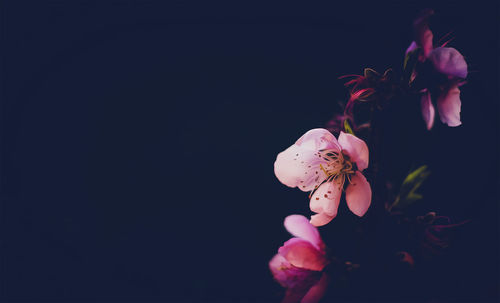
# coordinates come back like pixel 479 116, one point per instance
pixel 138 141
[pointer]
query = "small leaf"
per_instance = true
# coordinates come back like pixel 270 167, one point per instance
pixel 407 193
pixel 347 127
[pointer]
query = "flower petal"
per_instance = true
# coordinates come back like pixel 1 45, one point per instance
pixel 299 167
pixel 428 111
pixel 358 194
pixel 321 219
pixel 326 198
pixel 302 286
pixel 449 104
pixel 425 41
pixel 300 227
pixel 289 276
pixel 355 148
pixel 302 254
pixel 318 139
pixel 423 34
pixel 317 291
pixel 449 61
pixel 279 267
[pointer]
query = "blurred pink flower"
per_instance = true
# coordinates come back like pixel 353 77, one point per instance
pixel 318 162
pixel 447 62
pixel 299 263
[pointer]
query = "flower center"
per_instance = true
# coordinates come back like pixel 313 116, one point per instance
pixel 338 165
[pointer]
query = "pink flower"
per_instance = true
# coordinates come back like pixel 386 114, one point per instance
pixel 318 162
pixel 299 263
pixel 447 62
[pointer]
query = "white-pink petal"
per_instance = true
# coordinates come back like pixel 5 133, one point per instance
pixel 321 219
pixel 300 227
pixel 448 104
pixel 355 148
pixel 299 167
pixel 428 111
pixel 358 194
pixel 326 198
pixel 318 139
pixel 449 61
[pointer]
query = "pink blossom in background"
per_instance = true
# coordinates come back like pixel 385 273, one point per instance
pixel 299 263
pixel 449 62
pixel 318 162
pixel 446 61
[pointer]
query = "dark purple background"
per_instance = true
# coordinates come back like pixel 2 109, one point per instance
pixel 138 141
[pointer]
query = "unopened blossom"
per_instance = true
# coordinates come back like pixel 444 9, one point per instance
pixel 320 163
pixel 447 62
pixel 298 265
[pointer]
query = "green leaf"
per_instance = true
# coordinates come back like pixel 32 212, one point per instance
pixel 348 128
pixel 408 192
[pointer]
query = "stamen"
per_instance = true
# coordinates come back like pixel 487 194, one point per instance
pixel 349 178
pixel 323 169
pixel 337 169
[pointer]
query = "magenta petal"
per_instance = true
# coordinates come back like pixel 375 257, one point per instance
pixel 294 295
pixel 425 39
pixel 279 267
pixel 297 279
pixel 326 198
pixel 317 139
pixel 317 291
pixel 300 227
pixel 449 61
pixel 302 286
pixel 449 104
pixel 428 111
pixel 423 34
pixel 355 148
pixel 358 194
pixel 299 167
pixel 302 254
